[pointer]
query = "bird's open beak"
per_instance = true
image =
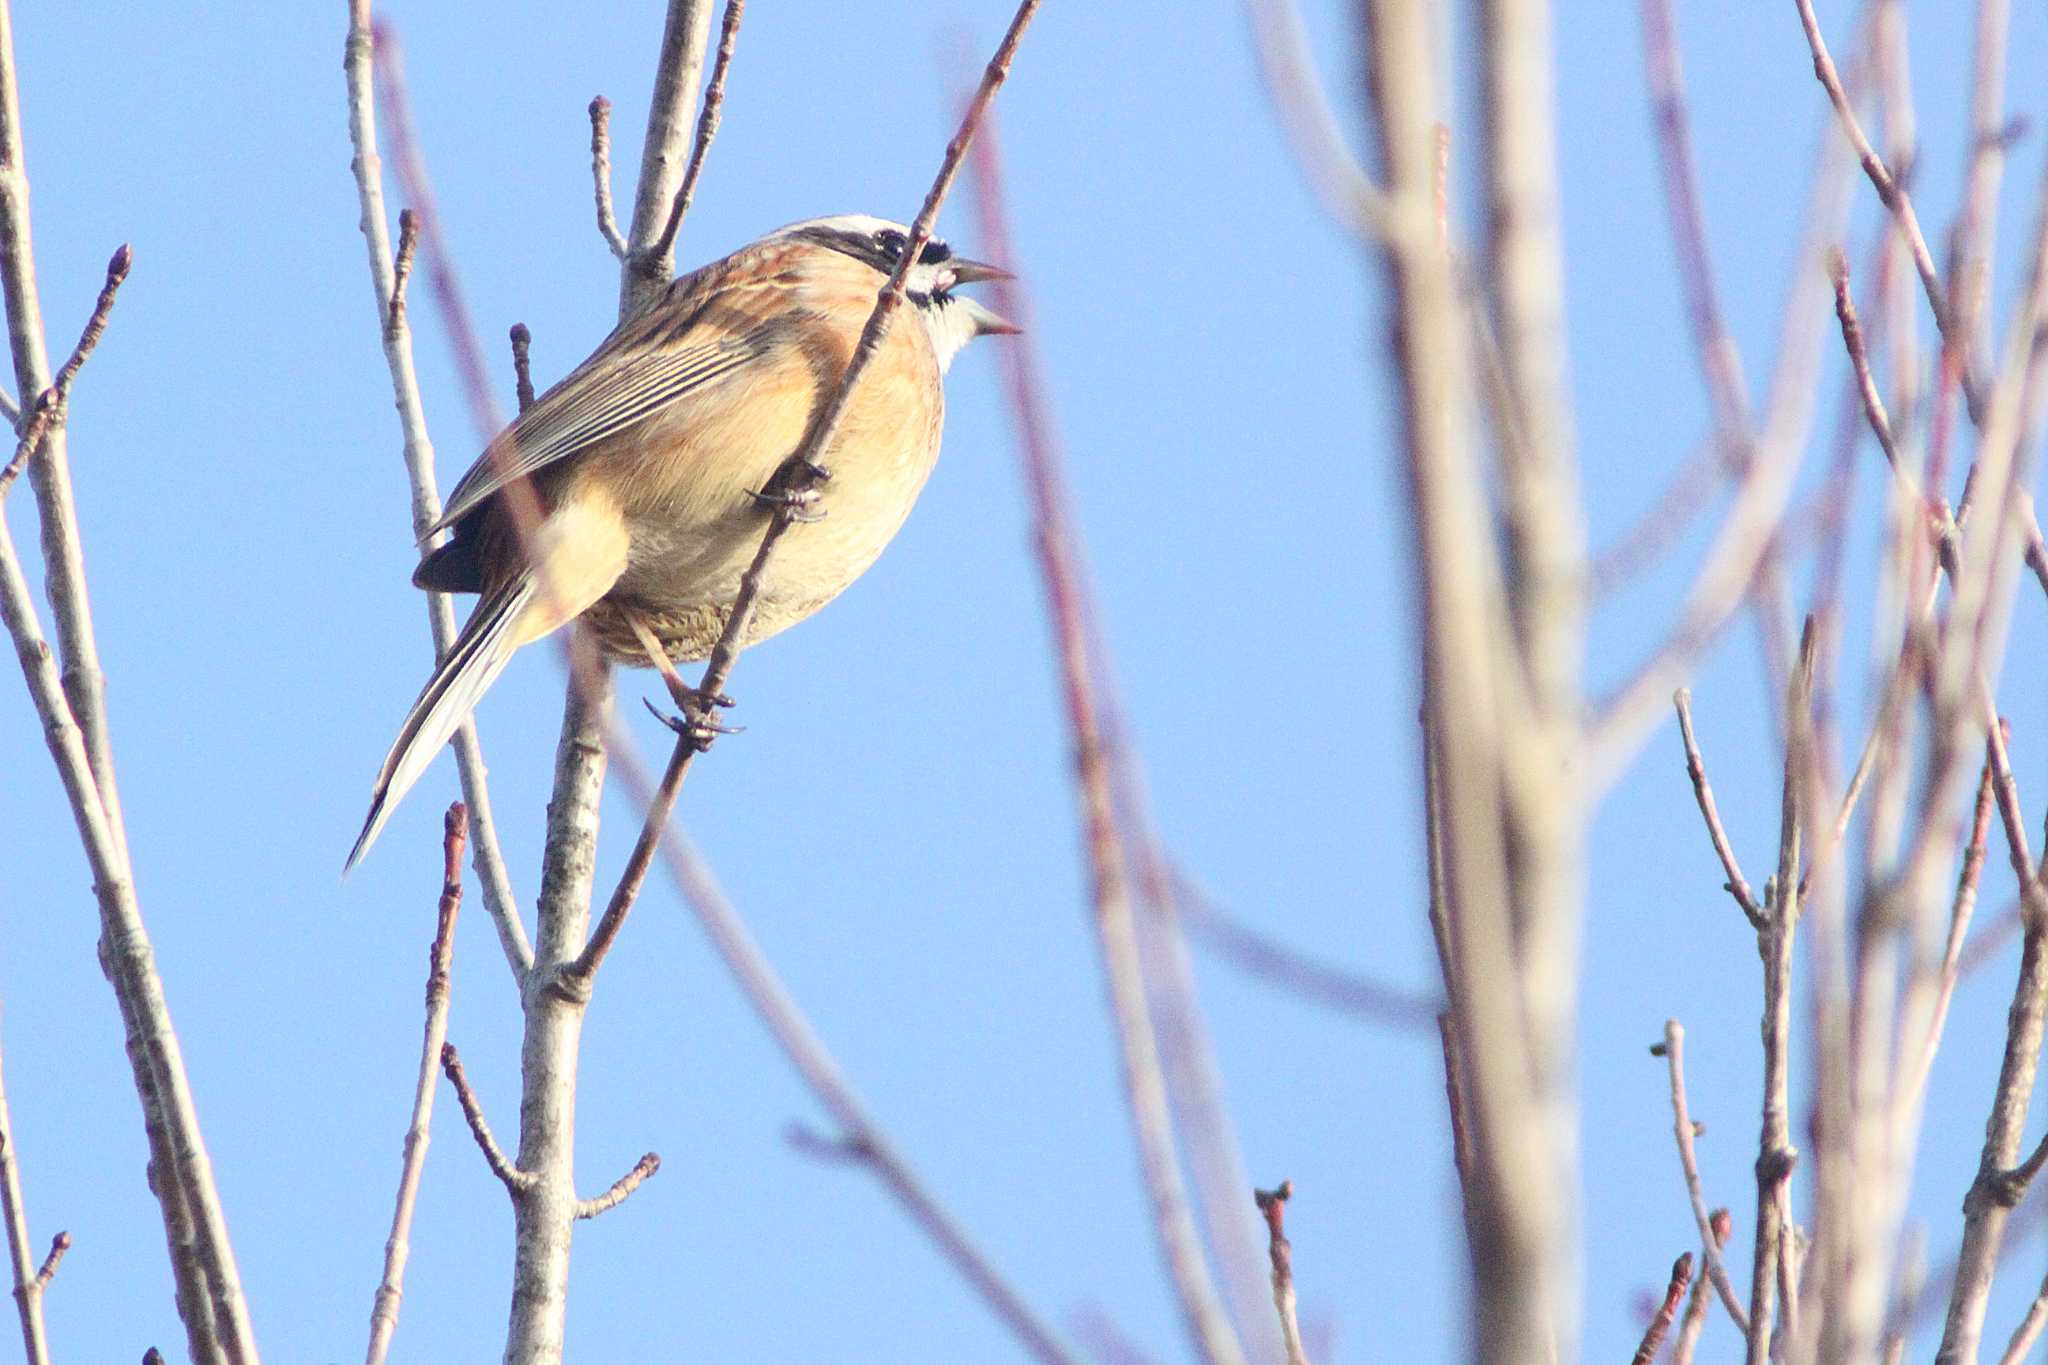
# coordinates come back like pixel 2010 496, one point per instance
pixel 987 322
pixel 974 272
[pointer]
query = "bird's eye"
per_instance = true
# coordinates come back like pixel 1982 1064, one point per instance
pixel 934 252
pixel 891 242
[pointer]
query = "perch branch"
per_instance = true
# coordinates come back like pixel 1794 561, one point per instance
pixel 1696 769
pixel 53 403
pixel 1682 1126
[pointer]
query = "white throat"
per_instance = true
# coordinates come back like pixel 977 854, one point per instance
pixel 951 324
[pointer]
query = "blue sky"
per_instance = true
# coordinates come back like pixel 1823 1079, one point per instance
pixel 896 821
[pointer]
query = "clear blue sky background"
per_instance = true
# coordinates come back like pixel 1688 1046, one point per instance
pixel 896 822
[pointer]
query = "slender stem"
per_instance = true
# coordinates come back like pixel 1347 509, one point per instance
pixel 1273 1205
pixel 862 1136
pixel 398 1246
pixel 707 128
pixel 1703 794
pixel 28 1283
pixel 72 708
pixel 388 293
pixel 685 34
pixel 1683 1129
pixel 1660 1322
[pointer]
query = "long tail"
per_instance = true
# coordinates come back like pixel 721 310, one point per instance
pixel 471 666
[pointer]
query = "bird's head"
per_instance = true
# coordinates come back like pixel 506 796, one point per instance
pixel 952 319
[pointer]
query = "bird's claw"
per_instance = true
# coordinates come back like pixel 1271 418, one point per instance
pixel 795 504
pixel 695 723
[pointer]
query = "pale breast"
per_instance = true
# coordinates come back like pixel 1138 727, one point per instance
pixel 685 478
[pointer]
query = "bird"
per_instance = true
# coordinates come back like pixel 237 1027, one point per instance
pixel 645 470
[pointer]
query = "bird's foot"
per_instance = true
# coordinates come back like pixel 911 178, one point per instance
pixel 696 723
pixel 791 503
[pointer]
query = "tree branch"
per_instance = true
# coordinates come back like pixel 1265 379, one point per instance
pixel 621 1189
pixel 1273 1205
pixel 398 1246
pixel 516 1181
pixel 388 292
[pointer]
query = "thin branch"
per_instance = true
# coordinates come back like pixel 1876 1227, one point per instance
pixel 621 1189
pixel 398 1246
pixel 2029 1330
pixel 516 1181
pixel 1154 1020
pixel 1775 1153
pixel 1960 911
pixel 52 403
pixel 387 291
pixel 1859 360
pixel 1656 528
pixel 72 707
pixel 1287 66
pixel 707 128
pixel 601 174
pixel 792 490
pixel 863 1137
pixel 522 365
pixel 47 1271
pixel 28 1283
pixel 1682 1126
pixel 1309 978
pixel 1695 1320
pixel 1273 1205
pixel 1660 1323
pixel 1891 193
pixel 1696 769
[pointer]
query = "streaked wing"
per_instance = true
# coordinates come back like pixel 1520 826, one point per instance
pixel 642 368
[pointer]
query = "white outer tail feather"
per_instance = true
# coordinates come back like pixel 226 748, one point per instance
pixel 472 664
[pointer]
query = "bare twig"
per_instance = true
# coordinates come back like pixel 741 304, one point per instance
pixel 1288 67
pixel 1273 1204
pixel 52 403
pixel 1775 1153
pixel 28 1283
pixel 863 1138
pixel 1695 1320
pixel 1960 911
pixel 621 1189
pixel 1109 854
pixel 1657 527
pixel 398 1246
pixel 1660 1322
pixel 47 1271
pixel 516 1181
pixel 522 365
pixel 1696 769
pixel 707 128
pixel 1859 360
pixel 72 708
pixel 1297 973
pixel 601 174
pixel 1683 1127
pixel 1893 194
pixel 387 289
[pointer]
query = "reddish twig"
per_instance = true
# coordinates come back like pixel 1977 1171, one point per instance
pixel 707 129
pixel 522 365
pixel 50 407
pixel 397 1247
pixel 1719 1225
pixel 1273 1206
pixel 1660 1323
pixel 515 1180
